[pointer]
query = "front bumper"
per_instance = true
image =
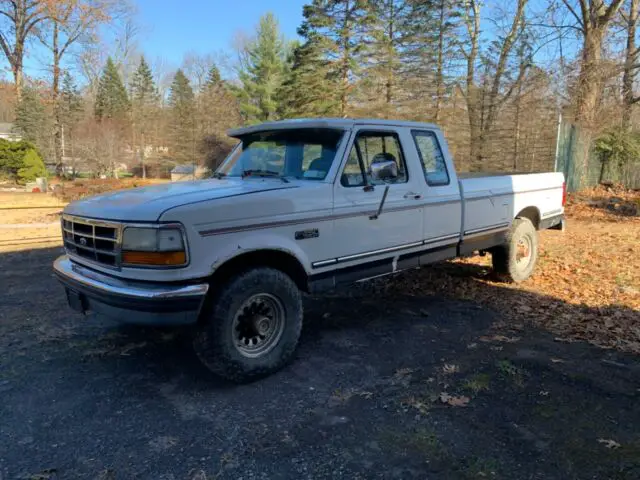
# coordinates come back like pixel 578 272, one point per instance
pixel 128 301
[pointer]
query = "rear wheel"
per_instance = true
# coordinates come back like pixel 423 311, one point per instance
pixel 516 259
pixel 252 327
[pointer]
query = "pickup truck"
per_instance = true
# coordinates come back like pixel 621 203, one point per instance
pixel 297 206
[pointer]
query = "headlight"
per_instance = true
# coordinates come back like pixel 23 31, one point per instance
pixel 163 246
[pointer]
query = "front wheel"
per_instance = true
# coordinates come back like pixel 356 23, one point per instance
pixel 252 326
pixel 516 259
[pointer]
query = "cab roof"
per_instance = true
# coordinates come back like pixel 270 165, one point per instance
pixel 332 123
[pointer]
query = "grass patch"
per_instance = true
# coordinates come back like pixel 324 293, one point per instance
pixel 478 383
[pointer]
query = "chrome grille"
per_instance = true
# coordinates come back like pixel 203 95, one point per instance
pixel 93 240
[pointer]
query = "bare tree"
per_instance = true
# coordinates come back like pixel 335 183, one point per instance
pixel 484 100
pixel 630 18
pixel 22 18
pixel 69 22
pixel 593 18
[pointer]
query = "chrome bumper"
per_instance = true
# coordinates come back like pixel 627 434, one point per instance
pixel 129 301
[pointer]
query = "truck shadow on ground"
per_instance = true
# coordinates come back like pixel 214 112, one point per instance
pixel 386 379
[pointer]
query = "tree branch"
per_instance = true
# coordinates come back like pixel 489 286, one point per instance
pixel 613 8
pixel 5 48
pixel 574 13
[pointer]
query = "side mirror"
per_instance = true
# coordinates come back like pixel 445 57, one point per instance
pixel 385 170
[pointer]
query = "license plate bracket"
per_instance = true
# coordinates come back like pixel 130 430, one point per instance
pixel 77 301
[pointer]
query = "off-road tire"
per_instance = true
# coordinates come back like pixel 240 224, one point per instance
pixel 504 257
pixel 214 340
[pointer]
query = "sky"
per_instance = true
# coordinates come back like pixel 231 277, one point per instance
pixel 173 27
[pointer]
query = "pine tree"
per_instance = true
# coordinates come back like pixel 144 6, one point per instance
pixel 309 89
pixel 30 116
pixel 112 101
pixel 213 77
pixel 262 72
pixel 382 78
pixel 70 104
pixel 431 46
pixel 340 27
pixel 182 135
pixel 144 109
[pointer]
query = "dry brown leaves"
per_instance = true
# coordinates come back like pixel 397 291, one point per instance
pixel 586 286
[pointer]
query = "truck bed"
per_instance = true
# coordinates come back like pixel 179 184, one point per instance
pixel 496 199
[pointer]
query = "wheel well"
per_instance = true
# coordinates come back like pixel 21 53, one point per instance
pixel 276 259
pixel 533 214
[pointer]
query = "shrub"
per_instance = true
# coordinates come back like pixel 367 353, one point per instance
pixel 12 156
pixel 617 149
pixel 32 167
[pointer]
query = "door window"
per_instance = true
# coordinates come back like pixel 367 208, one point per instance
pixel 433 164
pixel 368 148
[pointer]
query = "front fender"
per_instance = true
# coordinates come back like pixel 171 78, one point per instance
pixel 239 244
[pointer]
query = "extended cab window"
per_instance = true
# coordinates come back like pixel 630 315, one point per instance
pixel 369 148
pixel 433 164
pixel 302 153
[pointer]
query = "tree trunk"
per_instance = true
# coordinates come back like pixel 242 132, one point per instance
pixel 16 68
pixel 57 114
pixel 629 74
pixel 591 78
pixel 439 80
pixel 142 152
pixel 516 139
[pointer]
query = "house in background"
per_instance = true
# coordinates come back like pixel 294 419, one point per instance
pixel 187 172
pixel 6 132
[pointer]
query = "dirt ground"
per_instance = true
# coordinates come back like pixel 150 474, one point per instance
pixel 438 373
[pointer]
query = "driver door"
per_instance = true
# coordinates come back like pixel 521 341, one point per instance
pixel 357 196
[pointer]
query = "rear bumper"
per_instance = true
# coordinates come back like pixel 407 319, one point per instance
pixel 143 303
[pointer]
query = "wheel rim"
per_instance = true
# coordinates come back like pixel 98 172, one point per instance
pixel 258 325
pixel 524 251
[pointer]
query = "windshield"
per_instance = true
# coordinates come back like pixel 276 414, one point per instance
pixel 303 153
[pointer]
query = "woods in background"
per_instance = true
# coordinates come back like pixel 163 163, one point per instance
pixel 494 75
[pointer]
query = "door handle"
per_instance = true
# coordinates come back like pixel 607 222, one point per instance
pixel 413 195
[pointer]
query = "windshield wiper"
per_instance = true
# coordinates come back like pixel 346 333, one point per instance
pixel 263 173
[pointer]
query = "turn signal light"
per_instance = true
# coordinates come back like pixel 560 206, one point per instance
pixel 153 258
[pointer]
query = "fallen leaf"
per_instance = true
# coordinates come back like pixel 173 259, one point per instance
pixel 453 400
pixel 607 442
pixel 557 360
pixel 450 369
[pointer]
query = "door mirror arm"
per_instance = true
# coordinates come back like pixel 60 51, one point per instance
pixel 384 197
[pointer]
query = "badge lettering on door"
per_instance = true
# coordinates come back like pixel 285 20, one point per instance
pixel 304 234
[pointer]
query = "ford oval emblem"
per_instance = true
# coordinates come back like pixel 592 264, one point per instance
pixel 83 241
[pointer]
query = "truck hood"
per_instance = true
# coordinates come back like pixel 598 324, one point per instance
pixel 147 204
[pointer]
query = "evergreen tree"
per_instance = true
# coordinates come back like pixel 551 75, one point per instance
pixel 30 116
pixel 71 107
pixel 431 48
pixel 213 77
pixel 262 72
pixel 182 135
pixel 112 101
pixel 309 90
pixel 340 27
pixel 32 167
pixel 144 109
pixel 381 78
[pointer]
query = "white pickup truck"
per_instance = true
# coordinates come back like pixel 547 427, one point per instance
pixel 298 206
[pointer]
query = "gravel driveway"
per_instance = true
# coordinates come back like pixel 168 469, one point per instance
pixel 409 387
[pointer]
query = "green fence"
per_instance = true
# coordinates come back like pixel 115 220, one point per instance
pixel 573 145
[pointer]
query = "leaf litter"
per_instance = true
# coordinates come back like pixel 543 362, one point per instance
pixel 586 286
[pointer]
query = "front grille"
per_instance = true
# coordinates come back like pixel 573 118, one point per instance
pixel 93 240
